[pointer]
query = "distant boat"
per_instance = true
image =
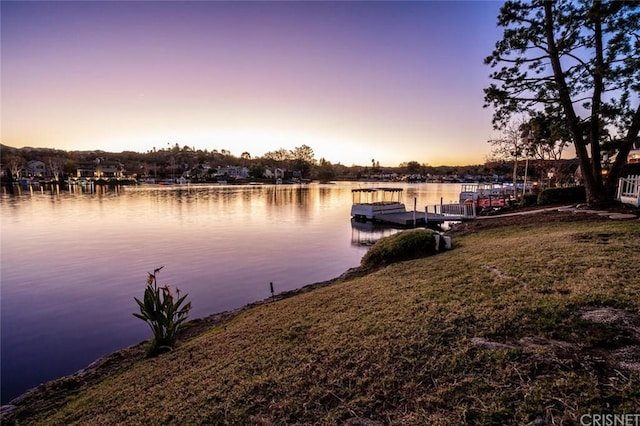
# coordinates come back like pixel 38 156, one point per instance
pixel 27 182
pixel 485 194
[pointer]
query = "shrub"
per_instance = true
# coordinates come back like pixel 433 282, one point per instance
pixel 401 246
pixel 572 194
pixel 164 315
pixel 529 200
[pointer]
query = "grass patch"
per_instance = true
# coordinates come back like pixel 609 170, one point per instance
pixel 400 345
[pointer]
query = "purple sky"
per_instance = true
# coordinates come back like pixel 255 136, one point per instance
pixel 392 81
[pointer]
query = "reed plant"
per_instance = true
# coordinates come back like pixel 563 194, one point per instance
pixel 164 313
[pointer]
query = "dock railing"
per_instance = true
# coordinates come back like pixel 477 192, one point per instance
pixel 459 210
pixel 629 190
pixel 455 212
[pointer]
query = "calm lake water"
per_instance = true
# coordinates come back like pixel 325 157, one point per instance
pixel 72 262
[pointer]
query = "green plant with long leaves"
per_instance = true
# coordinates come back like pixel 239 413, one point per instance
pixel 164 314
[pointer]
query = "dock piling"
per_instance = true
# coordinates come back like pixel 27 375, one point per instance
pixel 415 205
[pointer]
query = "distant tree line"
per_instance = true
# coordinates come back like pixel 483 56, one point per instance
pixel 200 163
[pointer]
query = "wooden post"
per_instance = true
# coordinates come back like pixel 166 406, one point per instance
pixel 271 286
pixel 415 206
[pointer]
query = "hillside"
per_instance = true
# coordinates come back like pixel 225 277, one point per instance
pixel 525 321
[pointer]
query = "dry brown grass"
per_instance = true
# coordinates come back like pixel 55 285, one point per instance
pixel 492 332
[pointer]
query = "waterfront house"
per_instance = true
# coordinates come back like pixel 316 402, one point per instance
pixel 36 168
pixel 233 172
pixel 100 169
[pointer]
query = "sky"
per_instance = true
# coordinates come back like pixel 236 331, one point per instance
pixel 354 80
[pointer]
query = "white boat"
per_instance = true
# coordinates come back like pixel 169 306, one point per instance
pixel 369 202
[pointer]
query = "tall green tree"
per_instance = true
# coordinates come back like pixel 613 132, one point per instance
pixel 277 156
pixel 303 153
pixel 582 59
pixel 548 136
pixel 325 171
pixel 303 158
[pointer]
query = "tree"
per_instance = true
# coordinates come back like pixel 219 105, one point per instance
pixel 509 147
pixel 577 57
pixel 277 156
pixel 413 168
pixel 56 167
pixel 14 163
pixel 257 170
pixel 548 136
pixel 303 153
pixel 375 166
pixel 325 171
pixel 245 159
pixel 303 159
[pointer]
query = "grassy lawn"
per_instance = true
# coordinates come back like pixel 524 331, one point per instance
pixel 531 323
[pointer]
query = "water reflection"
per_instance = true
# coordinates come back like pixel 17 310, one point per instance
pixel 367 233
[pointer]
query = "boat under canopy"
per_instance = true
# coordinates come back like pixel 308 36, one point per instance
pixel 369 202
pixel 486 194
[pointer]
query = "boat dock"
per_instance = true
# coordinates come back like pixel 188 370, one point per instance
pixel 416 218
pixel 388 209
pixel 403 218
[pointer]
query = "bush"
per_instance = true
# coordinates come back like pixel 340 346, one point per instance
pixel 529 200
pixel 573 194
pixel 401 246
pixel 164 316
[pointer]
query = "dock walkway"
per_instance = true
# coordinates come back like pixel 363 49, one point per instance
pixel 404 218
pixel 441 214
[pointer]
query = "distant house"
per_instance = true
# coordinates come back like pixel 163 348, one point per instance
pixel 100 169
pixel 278 173
pixel 85 169
pixel 36 168
pixel 233 172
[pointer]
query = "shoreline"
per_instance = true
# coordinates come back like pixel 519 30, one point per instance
pixel 135 352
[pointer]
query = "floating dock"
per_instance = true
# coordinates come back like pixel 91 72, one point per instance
pixel 383 205
pixel 415 218
pixel 402 218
